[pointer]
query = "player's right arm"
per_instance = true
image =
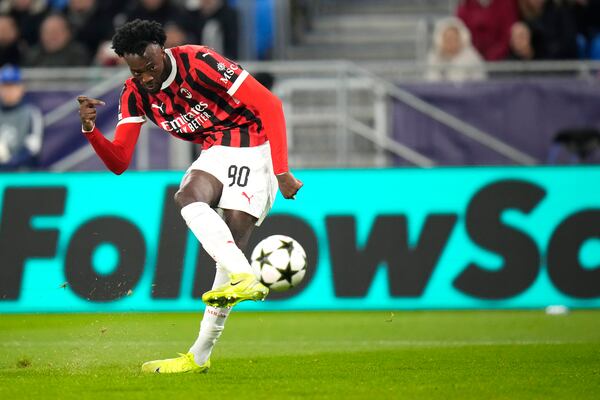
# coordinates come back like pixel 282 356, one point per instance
pixel 117 154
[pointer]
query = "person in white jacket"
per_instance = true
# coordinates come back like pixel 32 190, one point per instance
pixel 21 123
pixel 453 57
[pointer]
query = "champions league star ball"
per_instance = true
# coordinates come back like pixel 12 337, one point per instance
pixel 280 262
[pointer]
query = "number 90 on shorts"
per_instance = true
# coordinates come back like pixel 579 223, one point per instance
pixel 238 175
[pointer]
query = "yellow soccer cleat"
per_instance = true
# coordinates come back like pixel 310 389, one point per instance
pixel 182 364
pixel 241 287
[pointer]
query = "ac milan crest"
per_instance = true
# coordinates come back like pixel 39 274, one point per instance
pixel 186 93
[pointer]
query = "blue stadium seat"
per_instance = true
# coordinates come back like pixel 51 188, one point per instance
pixel 595 48
pixel 582 46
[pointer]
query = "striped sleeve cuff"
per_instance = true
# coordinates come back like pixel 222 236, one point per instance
pixel 129 120
pixel 238 82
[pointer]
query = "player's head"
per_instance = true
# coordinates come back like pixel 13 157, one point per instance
pixel 141 44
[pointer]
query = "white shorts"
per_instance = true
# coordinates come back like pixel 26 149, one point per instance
pixel 246 173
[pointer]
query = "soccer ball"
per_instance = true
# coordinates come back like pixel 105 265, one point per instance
pixel 280 262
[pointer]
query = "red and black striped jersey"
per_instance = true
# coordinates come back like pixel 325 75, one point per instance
pixel 196 102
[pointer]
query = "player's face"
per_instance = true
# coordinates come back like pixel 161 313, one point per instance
pixel 150 69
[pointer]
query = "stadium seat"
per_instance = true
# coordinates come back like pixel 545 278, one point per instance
pixel 580 143
pixel 595 48
pixel 582 46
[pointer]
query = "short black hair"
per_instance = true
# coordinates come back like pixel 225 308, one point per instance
pixel 135 36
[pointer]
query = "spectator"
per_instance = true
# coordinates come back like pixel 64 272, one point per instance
pixel 489 22
pixel 162 11
pixel 217 26
pixel 114 7
pixel 553 28
pixel 10 46
pixel 106 56
pixel 29 14
pixel 521 48
pixel 56 48
pixel 21 124
pixel 301 20
pixel 453 56
pixel 176 35
pixel 90 23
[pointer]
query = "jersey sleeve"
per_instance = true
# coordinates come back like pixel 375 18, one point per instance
pixel 270 109
pixel 221 72
pixel 130 108
pixel 117 154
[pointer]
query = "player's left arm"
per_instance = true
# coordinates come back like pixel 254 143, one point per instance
pixel 236 81
pixel 253 94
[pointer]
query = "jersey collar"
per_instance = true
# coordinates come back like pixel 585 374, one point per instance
pixel 171 76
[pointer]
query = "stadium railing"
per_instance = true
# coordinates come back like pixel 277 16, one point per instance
pixel 337 111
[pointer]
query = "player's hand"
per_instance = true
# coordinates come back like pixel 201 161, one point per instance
pixel 87 111
pixel 288 185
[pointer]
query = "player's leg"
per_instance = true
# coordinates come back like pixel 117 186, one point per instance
pixel 198 193
pixel 212 324
pixel 213 321
pixel 241 225
pixel 196 186
pixel 201 187
pixel 244 286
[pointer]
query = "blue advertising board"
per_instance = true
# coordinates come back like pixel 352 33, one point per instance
pixel 451 238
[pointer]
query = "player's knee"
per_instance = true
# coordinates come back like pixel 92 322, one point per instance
pixel 183 197
pixel 188 195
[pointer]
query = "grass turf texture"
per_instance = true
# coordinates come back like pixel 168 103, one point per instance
pixel 337 355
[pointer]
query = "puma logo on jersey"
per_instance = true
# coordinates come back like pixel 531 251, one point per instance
pixel 247 197
pixel 160 107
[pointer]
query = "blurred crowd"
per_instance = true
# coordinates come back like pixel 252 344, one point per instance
pixel 60 33
pixel 512 30
pixel 55 33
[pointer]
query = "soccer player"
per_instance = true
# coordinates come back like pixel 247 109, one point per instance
pixel 197 95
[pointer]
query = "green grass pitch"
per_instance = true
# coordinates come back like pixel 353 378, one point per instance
pixel 305 355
